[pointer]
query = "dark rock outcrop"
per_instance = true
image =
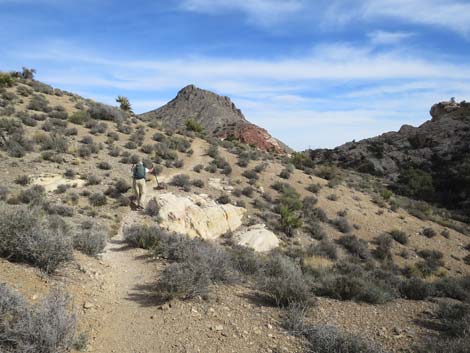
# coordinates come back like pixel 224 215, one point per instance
pixel 437 152
pixel 216 114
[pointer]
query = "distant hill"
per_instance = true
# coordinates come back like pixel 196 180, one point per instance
pixel 217 115
pixel 430 162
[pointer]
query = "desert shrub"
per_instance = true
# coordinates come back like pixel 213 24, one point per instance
pixel 247 191
pixel 326 248
pixel 198 183
pixel 455 288
pixel 314 188
pixel 285 174
pixel 104 165
pixel 23 180
pixel 39 103
pixel 355 287
pixel 47 327
pixel 342 225
pixel 84 151
pixel 355 246
pixel 143 236
pixel 28 120
pixel 159 137
pixel 328 339
pixel 244 260
pixel 193 125
pixel 399 236
pixel 224 199
pixel 211 168
pixel 97 199
pixel 152 209
pixel 4 192
pixel 56 209
pixel 130 145
pixel 56 142
pixel 6 79
pixel 35 195
pixel 184 280
pixel 122 186
pixel 250 174
pixel 384 247
pixel 198 168
pixel 282 280
pixel 181 180
pixel 454 319
pixel 92 179
pixel 70 174
pixel 332 197
pixel 316 231
pixel 213 151
pixel 29 236
pixel 466 259
pixel 327 172
pixel 415 288
pixel 90 238
pixel 100 111
pixel 178 163
pixel 429 232
pixel 79 118
pixel 61 115
pixel 314 215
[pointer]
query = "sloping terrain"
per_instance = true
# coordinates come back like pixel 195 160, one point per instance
pixel 349 256
pixel 216 115
pixel 429 162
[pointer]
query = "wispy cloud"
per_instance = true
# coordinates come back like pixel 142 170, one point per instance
pixel 386 37
pixel 358 89
pixel 260 11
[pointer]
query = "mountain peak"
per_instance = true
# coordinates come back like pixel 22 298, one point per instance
pixel 218 116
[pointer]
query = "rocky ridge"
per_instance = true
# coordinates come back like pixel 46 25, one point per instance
pixel 217 115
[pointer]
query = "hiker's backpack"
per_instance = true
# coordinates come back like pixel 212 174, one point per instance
pixel 139 171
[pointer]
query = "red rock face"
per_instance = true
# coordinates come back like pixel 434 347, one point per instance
pixel 255 136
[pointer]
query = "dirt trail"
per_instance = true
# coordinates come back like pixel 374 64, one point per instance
pixel 125 325
pixel 130 320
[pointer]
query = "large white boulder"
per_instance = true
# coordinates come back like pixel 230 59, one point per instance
pixel 258 238
pixel 198 215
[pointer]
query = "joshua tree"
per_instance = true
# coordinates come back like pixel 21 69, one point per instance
pixel 125 105
pixel 28 74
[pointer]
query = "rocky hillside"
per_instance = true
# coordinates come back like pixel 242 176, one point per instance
pixel 216 115
pixel 236 250
pixel 430 162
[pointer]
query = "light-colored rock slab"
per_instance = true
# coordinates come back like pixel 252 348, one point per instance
pixel 258 238
pixel 198 215
pixel 52 181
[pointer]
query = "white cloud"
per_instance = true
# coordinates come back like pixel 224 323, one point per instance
pixel 352 92
pixel 450 14
pixel 265 11
pixel 385 37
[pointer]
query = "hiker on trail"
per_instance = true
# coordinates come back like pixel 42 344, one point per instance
pixel 139 173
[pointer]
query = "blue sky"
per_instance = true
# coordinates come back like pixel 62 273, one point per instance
pixel 315 73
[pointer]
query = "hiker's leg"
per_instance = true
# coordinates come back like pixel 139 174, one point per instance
pixel 141 186
pixel 136 190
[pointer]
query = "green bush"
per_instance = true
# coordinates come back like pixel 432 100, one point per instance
pixel 415 289
pixel 143 236
pixel 193 125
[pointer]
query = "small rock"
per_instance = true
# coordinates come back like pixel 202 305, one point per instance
pixel 88 305
pixel 218 328
pixel 165 307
